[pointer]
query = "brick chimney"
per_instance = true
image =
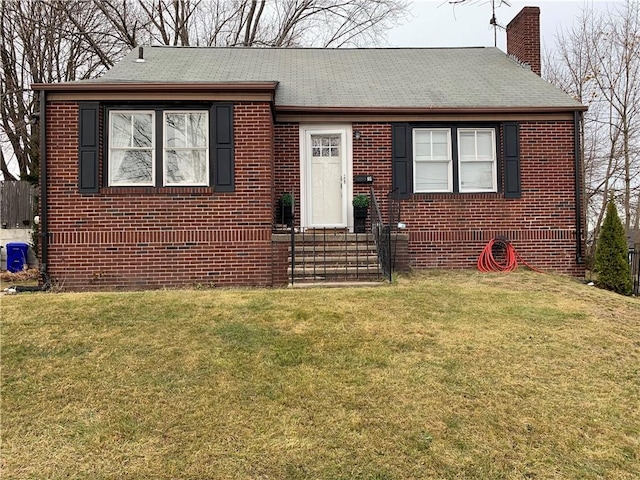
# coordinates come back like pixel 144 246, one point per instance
pixel 523 38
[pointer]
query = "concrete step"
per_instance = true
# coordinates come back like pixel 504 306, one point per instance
pixel 343 284
pixel 349 274
pixel 360 258
pixel 332 269
pixel 333 237
pixel 335 247
pixel 335 256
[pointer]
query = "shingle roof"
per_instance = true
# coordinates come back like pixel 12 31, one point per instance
pixel 378 78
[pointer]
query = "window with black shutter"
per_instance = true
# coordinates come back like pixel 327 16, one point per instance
pixel 158 146
pixel 454 158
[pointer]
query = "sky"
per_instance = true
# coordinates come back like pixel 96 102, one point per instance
pixel 437 23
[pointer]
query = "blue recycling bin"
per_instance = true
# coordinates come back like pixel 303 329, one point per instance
pixel 16 256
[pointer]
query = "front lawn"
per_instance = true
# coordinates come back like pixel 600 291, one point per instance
pixel 443 375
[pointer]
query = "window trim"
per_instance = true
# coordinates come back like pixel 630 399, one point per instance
pixel 449 160
pixel 110 148
pixel 206 148
pixel 158 157
pixel 494 161
pixel 454 180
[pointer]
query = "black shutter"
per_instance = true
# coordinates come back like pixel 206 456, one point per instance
pixel 223 175
pixel 512 160
pixel 88 125
pixel 402 160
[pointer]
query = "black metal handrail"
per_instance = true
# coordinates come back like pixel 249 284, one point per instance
pixel 381 237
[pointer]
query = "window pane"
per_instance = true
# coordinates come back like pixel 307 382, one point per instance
pixel 334 142
pixel 476 176
pixel 432 145
pixel 440 136
pixel 432 176
pixel 142 135
pixel 130 156
pixel 175 130
pixel 120 130
pixel 485 145
pixel 441 151
pixel 467 145
pixel 423 143
pixel 197 131
pixel 131 166
pixel 423 150
pixel 186 167
pixel 325 145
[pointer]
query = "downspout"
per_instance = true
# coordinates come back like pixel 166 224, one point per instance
pixel 44 223
pixel 578 186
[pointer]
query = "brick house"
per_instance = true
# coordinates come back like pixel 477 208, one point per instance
pixel 167 170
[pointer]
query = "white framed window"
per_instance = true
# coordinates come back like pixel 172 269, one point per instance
pixel 159 146
pixel 477 160
pixel 131 148
pixel 186 148
pixel 433 164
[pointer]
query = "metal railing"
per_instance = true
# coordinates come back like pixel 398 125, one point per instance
pixel 328 254
pixel 324 254
pixel 382 233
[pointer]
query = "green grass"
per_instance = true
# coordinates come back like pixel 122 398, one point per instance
pixel 442 375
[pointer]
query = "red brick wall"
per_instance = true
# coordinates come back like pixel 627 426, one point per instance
pixel 371 154
pixel 450 230
pixel 147 237
pixel 523 37
pixel 287 163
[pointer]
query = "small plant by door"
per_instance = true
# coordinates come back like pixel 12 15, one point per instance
pixel 286 209
pixel 360 211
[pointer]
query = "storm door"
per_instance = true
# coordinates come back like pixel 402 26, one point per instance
pixel 326 174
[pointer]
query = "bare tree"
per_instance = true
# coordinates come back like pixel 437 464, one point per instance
pixel 63 40
pixel 598 62
pixel 323 23
pixel 40 41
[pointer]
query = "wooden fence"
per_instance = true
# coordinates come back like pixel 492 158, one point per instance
pixel 17 201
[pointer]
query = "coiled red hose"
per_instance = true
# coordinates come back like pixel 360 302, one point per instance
pixel 488 263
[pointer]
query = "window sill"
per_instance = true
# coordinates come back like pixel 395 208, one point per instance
pixel 458 195
pixel 157 190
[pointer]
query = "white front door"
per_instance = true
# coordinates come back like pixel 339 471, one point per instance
pixel 325 167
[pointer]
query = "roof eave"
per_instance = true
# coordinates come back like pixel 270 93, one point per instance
pixel 428 110
pixel 157 87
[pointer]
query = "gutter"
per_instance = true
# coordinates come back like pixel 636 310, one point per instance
pixel 578 186
pixel 119 86
pixel 427 109
pixel 44 220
